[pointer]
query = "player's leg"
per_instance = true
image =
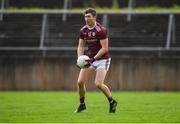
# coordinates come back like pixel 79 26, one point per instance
pixel 84 76
pixel 99 81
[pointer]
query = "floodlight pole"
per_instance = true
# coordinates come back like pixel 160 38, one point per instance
pixel 2 8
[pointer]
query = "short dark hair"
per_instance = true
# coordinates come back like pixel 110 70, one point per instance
pixel 90 10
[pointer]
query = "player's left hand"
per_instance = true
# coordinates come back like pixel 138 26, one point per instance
pixel 90 61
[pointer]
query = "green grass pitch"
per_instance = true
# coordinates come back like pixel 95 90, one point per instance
pixel 144 107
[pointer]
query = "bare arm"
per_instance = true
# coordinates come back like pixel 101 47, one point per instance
pixel 80 49
pixel 103 50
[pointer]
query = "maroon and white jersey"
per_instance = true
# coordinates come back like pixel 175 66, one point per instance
pixel 92 37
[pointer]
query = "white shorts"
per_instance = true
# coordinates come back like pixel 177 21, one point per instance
pixel 101 64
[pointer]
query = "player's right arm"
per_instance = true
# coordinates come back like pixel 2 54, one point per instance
pixel 80 49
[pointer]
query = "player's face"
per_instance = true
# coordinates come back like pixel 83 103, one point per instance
pixel 90 19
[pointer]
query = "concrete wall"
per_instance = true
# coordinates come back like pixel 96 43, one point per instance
pixel 61 74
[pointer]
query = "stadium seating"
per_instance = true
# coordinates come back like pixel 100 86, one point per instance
pixel 177 32
pixel 36 3
pixel 64 34
pixel 146 31
pixel 26 65
pixel 141 31
pixel 84 3
pixel 20 30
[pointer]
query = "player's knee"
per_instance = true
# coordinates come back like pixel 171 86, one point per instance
pixel 98 85
pixel 80 83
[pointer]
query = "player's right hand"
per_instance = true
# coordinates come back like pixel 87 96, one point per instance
pixel 89 62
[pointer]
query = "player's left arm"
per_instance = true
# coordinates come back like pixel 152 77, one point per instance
pixel 104 44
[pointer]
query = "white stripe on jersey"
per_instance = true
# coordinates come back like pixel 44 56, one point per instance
pixel 97 28
pixel 85 26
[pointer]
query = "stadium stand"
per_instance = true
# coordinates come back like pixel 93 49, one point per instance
pixel 160 3
pixel 36 3
pixel 20 30
pixel 176 42
pixel 63 34
pixel 145 31
pixel 85 3
pixel 142 31
pixel 38 49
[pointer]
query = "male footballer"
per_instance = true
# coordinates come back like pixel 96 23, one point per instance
pixel 95 36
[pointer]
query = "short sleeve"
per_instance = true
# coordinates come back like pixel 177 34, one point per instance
pixel 81 35
pixel 102 34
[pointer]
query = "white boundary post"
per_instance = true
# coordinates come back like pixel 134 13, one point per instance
pixel 64 16
pixel 131 5
pixel 169 33
pixel 105 20
pixel 43 31
pixel 2 8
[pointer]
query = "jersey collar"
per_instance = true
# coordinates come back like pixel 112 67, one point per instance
pixel 90 28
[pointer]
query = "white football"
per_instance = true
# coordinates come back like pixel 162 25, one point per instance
pixel 82 61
